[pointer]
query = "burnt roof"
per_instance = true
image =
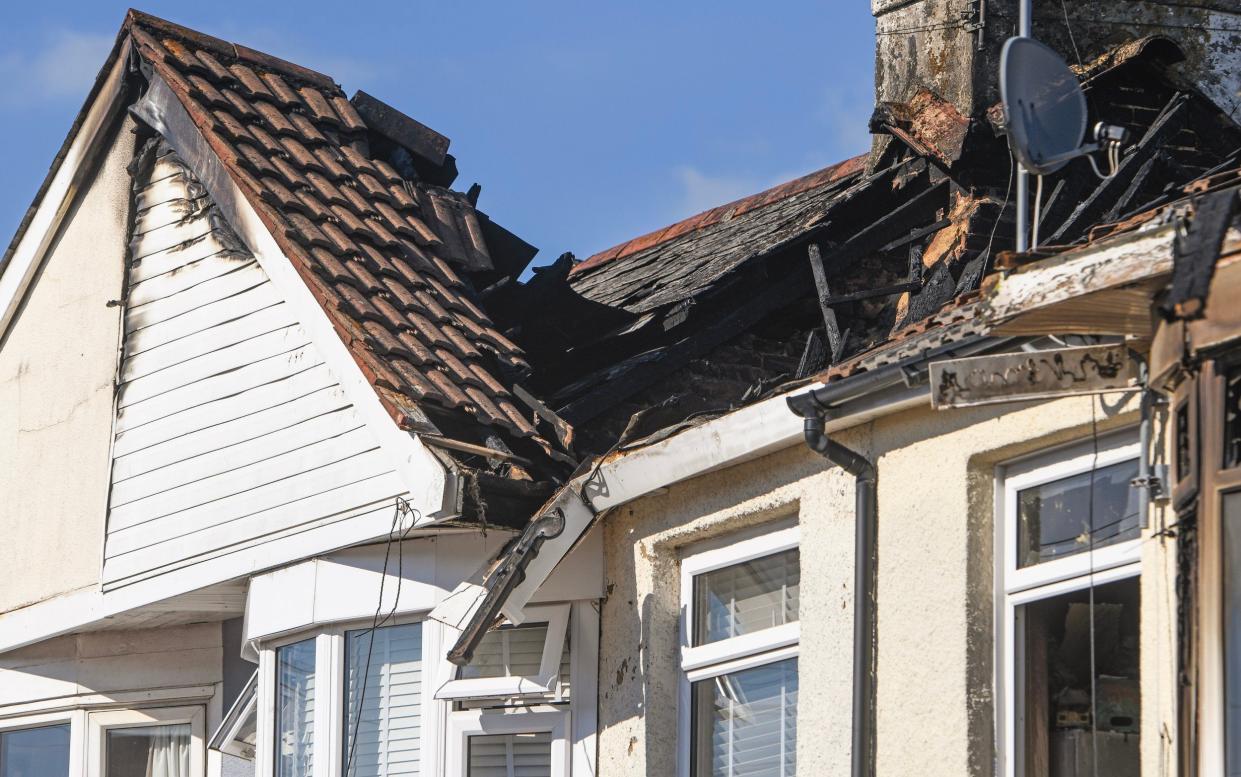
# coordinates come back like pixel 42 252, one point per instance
pixel 385 247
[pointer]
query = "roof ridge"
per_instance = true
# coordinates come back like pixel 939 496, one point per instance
pixel 720 213
pixel 237 51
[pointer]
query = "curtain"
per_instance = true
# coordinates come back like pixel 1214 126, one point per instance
pixel 169 755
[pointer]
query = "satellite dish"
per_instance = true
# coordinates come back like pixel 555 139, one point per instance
pixel 1044 105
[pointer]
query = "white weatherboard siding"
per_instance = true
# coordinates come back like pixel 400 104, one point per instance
pixel 230 429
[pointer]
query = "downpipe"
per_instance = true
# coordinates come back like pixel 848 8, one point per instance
pixel 865 515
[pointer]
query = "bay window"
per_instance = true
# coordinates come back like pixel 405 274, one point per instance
pixel 354 700
pixel 38 751
pixel 740 632
pixel 1068 544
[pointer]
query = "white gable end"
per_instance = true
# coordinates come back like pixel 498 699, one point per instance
pixel 231 430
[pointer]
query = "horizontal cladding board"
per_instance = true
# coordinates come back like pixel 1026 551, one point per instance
pixel 176 209
pixel 187 277
pixel 144 380
pixel 162 443
pixel 274 498
pixel 233 458
pixel 243 484
pixel 166 238
pixel 170 304
pixel 220 388
pixel 305 510
pixel 157 193
pixel 174 258
pixel 236 408
pixel 239 316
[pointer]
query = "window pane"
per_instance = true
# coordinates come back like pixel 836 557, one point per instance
pixel 746 597
pixel 1076 644
pixel 295 709
pixel 1232 632
pixel 35 752
pixel 148 751
pixel 1055 519
pixel 383 701
pixel 510 755
pixel 745 723
pixel 508 652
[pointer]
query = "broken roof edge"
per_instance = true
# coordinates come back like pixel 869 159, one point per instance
pixel 234 50
pixel 821 177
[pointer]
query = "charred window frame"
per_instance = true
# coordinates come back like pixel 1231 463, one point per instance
pixel 1211 699
pixel 1041 600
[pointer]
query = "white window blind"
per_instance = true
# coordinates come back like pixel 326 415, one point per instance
pixel 746 723
pixel 747 597
pixel 383 703
pixel 508 651
pixel 295 709
pixel 510 755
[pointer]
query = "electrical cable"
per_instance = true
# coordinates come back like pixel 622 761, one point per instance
pixel 1038 208
pixel 1094 703
pixel 402 508
pixel 1065 9
pixel 1007 191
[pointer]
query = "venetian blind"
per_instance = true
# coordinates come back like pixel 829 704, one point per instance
pixel 511 755
pixel 509 651
pixel 295 709
pixel 384 702
pixel 746 597
pixel 747 723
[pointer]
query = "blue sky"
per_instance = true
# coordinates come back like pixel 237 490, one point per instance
pixel 585 123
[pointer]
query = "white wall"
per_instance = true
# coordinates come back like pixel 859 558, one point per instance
pixel 57 367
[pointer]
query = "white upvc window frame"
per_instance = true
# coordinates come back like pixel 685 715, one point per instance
pixel 1018 587
pixel 75 719
pixel 101 722
pixel 557 619
pixel 329 703
pixel 733 654
pixel 533 720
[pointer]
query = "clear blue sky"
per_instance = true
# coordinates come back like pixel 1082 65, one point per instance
pixel 586 123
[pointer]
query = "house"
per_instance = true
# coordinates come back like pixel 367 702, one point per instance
pixel 302 479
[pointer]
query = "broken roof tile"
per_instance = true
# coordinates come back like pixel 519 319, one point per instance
pixel 369 252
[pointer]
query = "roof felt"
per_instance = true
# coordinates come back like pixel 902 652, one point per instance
pixel 384 255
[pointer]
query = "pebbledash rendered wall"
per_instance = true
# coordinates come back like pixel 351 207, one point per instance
pixel 57 368
pixel 936 608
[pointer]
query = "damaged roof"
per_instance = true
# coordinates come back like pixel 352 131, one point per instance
pixel 683 259
pixel 355 194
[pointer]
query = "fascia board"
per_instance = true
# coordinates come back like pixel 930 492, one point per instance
pixel 734 438
pixel 434 488
pixel 1130 259
pixel 17 275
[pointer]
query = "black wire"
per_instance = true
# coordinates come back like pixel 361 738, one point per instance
pixel 1094 704
pixel 402 508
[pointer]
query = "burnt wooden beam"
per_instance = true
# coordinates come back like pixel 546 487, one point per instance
pixel 915 235
pixel 830 326
pixel 1131 190
pixel 908 215
pixel 882 291
pixel 1105 195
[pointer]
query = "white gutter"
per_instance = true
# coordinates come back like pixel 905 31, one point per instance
pixel 734 438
